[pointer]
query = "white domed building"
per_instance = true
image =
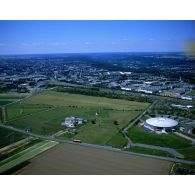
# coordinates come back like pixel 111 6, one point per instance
pixel 161 124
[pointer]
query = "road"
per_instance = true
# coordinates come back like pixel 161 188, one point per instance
pixel 125 130
pixel 185 136
pixel 170 150
pixel 52 138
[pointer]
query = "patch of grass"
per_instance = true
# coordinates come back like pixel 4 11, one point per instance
pixel 8 137
pixel 191 93
pixel 117 141
pixel 104 129
pixel 66 136
pixel 189 153
pixel 149 151
pixel 178 168
pixel 138 135
pixel 18 110
pixel 5 101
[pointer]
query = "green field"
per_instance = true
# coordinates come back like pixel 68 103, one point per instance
pixel 138 135
pixel 176 166
pixel 44 113
pixel 8 137
pixel 66 99
pixel 149 151
pixel 49 122
pixel 19 110
pixel 117 141
pixel 189 153
pixel 4 101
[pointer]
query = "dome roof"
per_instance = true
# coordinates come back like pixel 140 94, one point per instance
pixel 162 122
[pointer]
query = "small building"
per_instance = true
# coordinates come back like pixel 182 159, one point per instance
pixel 186 98
pixel 72 121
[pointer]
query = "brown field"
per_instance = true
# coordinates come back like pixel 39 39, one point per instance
pixel 69 159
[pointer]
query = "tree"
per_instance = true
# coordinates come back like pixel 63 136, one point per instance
pixel 93 121
pixel 116 122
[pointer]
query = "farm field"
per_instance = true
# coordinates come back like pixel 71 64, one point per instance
pixel 86 160
pixel 138 135
pixel 25 155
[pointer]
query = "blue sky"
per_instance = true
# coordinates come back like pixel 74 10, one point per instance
pixel 28 37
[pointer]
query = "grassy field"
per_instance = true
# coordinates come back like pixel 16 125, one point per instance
pixel 189 153
pixel 8 137
pixel 19 110
pixel 149 151
pixel 47 111
pixel 5 101
pixel 138 135
pixel 67 159
pixel 117 141
pixel 66 99
pixel 25 155
pixel 177 166
pixel 49 122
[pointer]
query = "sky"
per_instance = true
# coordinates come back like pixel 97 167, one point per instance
pixel 34 37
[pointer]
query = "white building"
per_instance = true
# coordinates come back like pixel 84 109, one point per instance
pixel 72 121
pixel 161 124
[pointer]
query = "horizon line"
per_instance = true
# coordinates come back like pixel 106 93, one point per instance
pixel 53 53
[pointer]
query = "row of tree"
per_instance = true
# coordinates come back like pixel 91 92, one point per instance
pixel 92 92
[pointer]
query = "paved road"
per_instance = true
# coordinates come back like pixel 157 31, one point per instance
pixel 95 146
pixel 185 136
pixel 125 130
pixel 170 150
